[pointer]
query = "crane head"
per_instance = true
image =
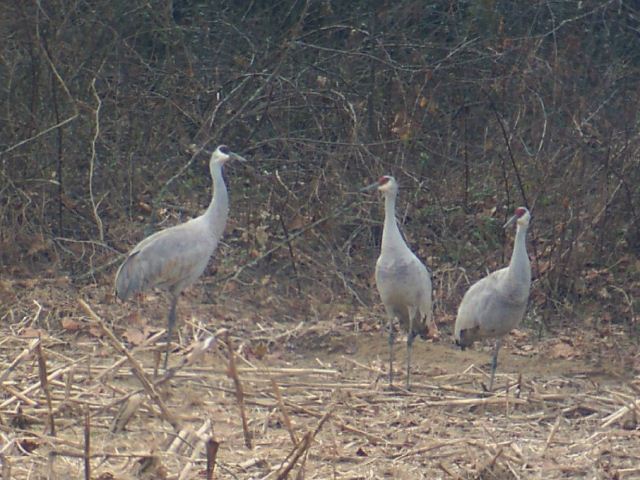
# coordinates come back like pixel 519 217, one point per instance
pixel 465 337
pixel 222 154
pixel 385 183
pixel 521 216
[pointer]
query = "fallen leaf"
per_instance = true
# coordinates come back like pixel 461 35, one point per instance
pixel 96 331
pixel 38 245
pixel 562 350
pixel 518 334
pixel 230 287
pixel 61 281
pixel 106 476
pixel 134 319
pixel 262 236
pixel 32 332
pixel 70 325
pixel 27 282
pixel 526 350
pixel 145 207
pixel 298 222
pixel 134 336
pixel 28 445
pixel 260 350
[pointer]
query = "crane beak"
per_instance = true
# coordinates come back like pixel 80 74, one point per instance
pixel 510 221
pixel 369 187
pixel 235 156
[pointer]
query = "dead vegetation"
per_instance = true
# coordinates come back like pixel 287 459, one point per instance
pixel 474 107
pixel 267 398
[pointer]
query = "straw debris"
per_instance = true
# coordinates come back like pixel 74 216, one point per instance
pixel 83 404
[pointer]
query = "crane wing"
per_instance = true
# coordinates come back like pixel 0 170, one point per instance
pixel 171 259
pixel 475 305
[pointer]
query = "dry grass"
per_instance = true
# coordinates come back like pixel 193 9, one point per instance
pixel 77 398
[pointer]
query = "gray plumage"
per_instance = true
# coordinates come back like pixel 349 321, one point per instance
pixel 495 305
pixel 403 282
pixel 174 258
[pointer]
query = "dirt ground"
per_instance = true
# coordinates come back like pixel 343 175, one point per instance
pixel 315 394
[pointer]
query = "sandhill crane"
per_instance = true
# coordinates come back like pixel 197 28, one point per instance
pixel 172 259
pixel 494 305
pixel 403 281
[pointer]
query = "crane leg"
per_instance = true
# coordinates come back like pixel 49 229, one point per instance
pixel 410 338
pixel 392 339
pixel 494 362
pixel 170 324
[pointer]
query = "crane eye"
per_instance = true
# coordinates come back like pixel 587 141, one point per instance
pixel 520 211
pixel 224 149
pixel 383 180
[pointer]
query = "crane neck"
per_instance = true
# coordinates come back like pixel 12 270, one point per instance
pixel 520 268
pixel 391 237
pixel 218 210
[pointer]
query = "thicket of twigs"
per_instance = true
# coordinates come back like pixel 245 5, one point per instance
pixel 476 107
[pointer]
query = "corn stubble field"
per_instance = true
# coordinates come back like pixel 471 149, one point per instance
pixel 81 390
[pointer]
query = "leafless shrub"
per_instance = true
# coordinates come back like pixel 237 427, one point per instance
pixel 476 107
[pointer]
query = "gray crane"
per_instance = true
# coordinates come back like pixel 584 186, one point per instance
pixel 174 258
pixel 495 304
pixel 403 281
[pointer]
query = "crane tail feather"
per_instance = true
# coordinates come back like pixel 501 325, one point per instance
pixel 129 279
